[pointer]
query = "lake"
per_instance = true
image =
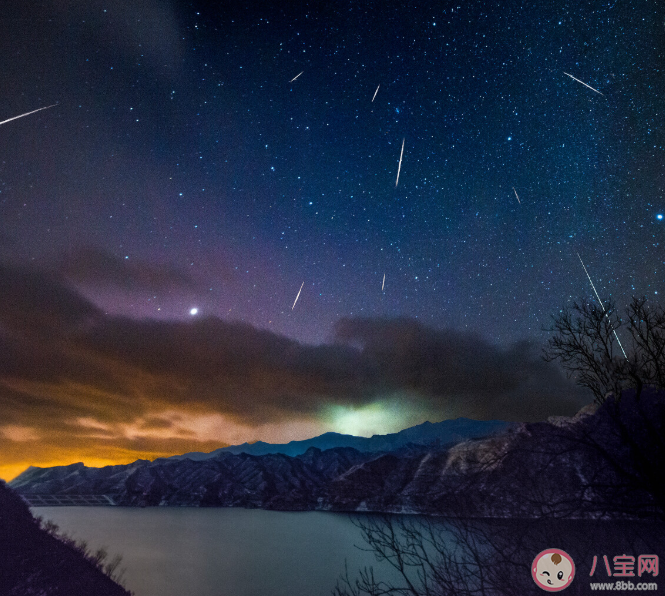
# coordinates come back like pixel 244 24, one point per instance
pixel 170 551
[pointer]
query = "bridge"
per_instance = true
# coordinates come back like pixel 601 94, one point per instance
pixel 37 500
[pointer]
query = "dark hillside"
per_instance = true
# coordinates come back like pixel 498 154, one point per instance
pixel 35 563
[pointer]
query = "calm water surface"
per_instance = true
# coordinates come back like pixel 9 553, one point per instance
pixel 220 552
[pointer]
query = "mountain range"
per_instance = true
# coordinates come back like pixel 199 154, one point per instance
pixel 575 467
pixel 440 433
pixel 297 475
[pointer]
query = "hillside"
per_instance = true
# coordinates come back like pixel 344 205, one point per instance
pixel 34 563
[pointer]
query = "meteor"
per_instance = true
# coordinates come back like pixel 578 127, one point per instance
pixel 400 162
pixel 518 199
pixel 294 78
pixel 377 90
pixel 27 114
pixel 383 285
pixel 583 83
pixel 601 304
pixel 298 296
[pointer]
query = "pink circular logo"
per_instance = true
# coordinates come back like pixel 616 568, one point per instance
pixel 553 570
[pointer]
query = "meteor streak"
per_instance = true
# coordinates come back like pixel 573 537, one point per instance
pixel 294 78
pixel 583 83
pixel 601 304
pixel 377 90
pixel 518 199
pixel 400 162
pixel 27 114
pixel 298 296
pixel 383 285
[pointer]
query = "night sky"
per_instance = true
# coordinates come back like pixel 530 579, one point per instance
pixel 205 160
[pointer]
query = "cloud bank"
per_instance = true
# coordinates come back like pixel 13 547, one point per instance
pixel 94 267
pixel 74 380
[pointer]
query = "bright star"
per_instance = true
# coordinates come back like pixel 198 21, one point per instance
pixel 659 216
pixel 193 311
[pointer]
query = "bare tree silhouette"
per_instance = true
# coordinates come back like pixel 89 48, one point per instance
pixel 630 433
pixel 465 557
pixel 586 342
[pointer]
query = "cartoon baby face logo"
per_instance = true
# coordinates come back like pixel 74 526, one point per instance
pixel 553 570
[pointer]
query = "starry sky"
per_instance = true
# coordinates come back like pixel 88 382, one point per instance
pixel 203 161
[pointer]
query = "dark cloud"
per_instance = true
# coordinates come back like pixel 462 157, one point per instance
pixel 94 267
pixel 148 31
pixel 35 302
pixel 156 422
pixel 462 372
pixel 63 358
